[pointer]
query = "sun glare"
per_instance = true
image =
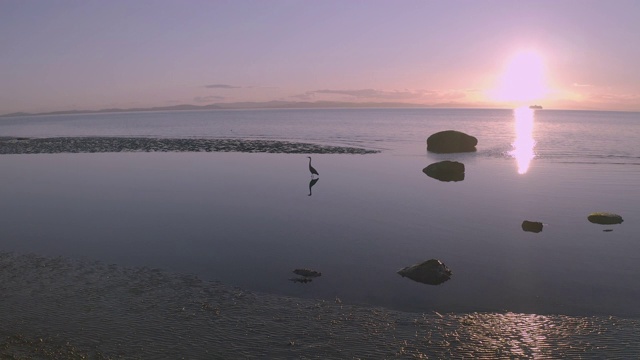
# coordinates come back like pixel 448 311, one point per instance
pixel 523 79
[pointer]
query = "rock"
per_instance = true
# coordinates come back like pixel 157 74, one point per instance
pixel 307 273
pixel 605 218
pixel 445 171
pixel 451 141
pixel 432 272
pixel 532 226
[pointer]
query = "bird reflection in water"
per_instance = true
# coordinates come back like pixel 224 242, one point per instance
pixel 524 143
pixel 311 183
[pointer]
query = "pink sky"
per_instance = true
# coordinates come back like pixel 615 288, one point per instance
pixel 63 55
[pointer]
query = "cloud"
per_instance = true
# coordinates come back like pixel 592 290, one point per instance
pixel 617 98
pixel 207 99
pixel 452 94
pixel 222 86
pixel 602 98
pixel 384 95
pixel 372 94
pixel 606 94
pixel 304 96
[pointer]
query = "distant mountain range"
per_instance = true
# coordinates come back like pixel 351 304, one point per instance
pixel 251 105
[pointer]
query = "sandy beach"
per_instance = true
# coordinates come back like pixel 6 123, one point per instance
pixel 57 308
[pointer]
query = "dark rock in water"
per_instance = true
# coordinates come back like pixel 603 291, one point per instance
pixel 451 141
pixel 445 171
pixel 432 272
pixel 302 280
pixel 532 226
pixel 307 273
pixel 605 218
pixel 607 230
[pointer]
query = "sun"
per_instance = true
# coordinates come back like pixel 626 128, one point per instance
pixel 523 79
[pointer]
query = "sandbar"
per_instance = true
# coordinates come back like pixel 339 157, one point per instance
pixel 55 145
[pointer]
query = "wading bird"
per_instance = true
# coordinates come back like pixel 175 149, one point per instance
pixel 312 169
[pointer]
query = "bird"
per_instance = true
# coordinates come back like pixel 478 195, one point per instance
pixel 312 169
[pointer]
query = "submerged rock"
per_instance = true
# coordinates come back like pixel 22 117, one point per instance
pixel 451 141
pixel 432 272
pixel 308 273
pixel 605 218
pixel 445 171
pixel 532 226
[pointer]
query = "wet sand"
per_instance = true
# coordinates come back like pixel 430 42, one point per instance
pixel 58 308
pixel 14 145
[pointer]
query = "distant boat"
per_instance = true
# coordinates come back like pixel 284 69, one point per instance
pixel 535 107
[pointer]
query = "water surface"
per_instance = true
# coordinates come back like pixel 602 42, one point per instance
pixel 248 219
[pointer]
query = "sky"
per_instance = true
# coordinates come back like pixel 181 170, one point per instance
pixel 59 55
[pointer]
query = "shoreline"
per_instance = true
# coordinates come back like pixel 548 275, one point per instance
pixel 60 307
pixel 56 145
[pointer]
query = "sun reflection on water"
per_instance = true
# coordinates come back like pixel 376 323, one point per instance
pixel 523 144
pixel 519 336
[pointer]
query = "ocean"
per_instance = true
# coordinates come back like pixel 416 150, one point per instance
pixel 248 220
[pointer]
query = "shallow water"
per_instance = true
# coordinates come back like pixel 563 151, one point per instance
pixel 573 136
pixel 57 308
pixel 248 219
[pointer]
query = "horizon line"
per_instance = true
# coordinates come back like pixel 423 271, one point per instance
pixel 277 104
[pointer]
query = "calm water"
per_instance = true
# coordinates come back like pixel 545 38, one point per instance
pixel 248 219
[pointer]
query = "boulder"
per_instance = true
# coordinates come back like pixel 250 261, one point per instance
pixel 605 218
pixel 445 171
pixel 532 226
pixel 432 272
pixel 451 141
pixel 308 273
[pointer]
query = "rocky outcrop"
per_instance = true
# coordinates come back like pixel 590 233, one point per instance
pixel 451 141
pixel 532 226
pixel 307 273
pixel 432 272
pixel 445 171
pixel 605 218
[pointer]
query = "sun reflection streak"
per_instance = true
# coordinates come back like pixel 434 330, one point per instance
pixel 523 144
pixel 518 335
